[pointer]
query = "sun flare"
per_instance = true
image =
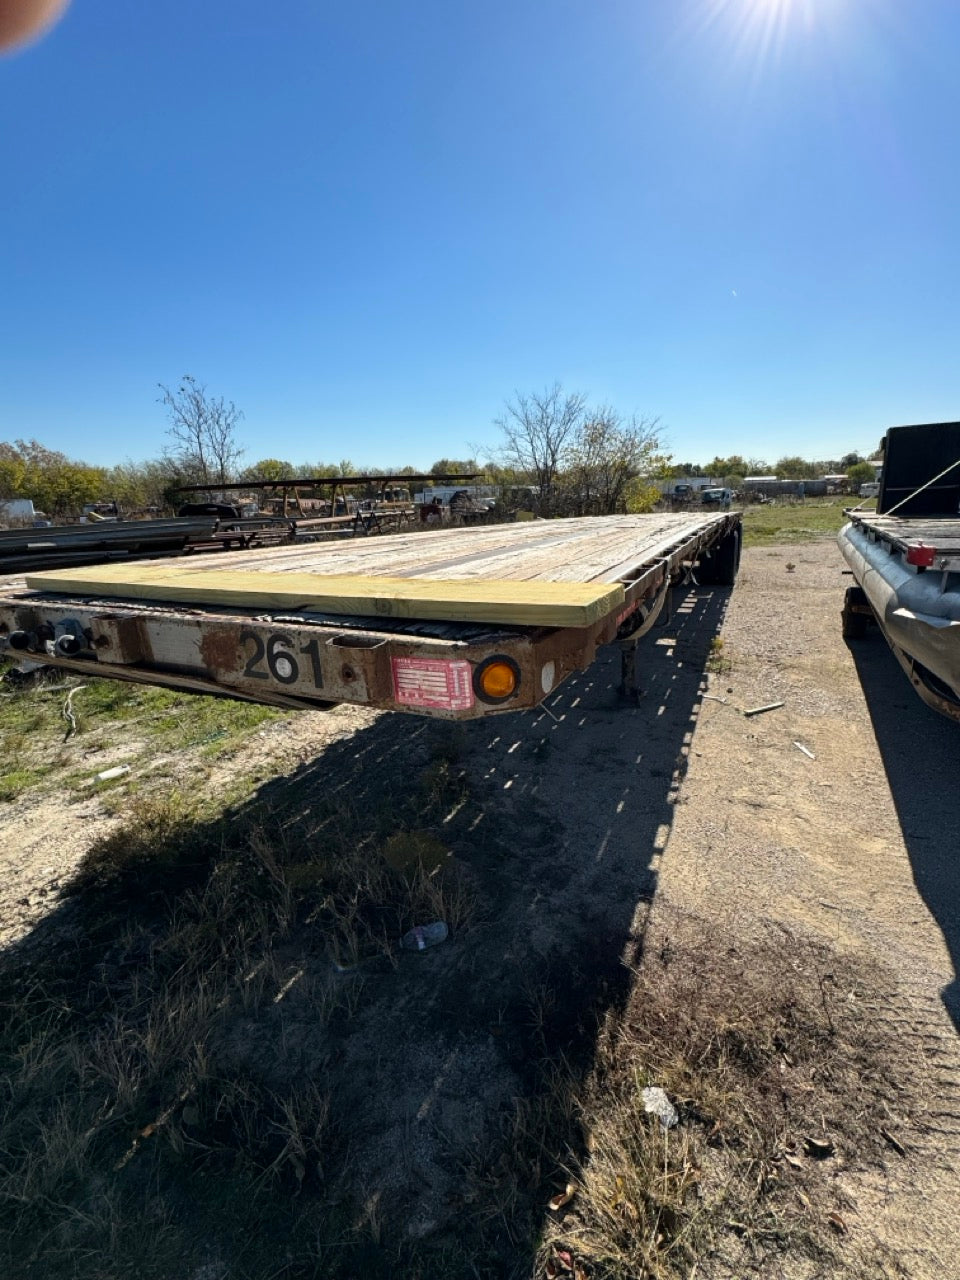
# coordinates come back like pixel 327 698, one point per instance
pixel 764 28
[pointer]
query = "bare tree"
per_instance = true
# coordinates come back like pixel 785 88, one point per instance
pixel 204 428
pixel 605 460
pixel 538 430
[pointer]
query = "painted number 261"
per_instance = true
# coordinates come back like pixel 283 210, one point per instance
pixel 278 655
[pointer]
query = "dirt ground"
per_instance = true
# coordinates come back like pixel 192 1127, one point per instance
pixel 44 838
pixel 584 830
pixel 859 847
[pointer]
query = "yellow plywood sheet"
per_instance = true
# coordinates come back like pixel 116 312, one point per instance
pixel 544 604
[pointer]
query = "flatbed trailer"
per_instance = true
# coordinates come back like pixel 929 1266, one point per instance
pixel 309 658
pixel 908 583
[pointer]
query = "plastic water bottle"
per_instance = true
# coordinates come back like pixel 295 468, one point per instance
pixel 424 935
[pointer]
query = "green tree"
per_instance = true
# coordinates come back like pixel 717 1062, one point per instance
pixel 159 479
pixel 57 484
pixel 268 469
pixel 317 469
pixel 720 468
pixel 125 484
pixel 454 466
pixel 860 473
pixel 641 496
pixel 12 472
pixel 795 469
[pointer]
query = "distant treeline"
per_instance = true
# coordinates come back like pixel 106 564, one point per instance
pixel 793 467
pixel 599 477
pixel 63 486
pixel 574 458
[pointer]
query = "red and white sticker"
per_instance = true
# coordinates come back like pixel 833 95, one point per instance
pixel 433 682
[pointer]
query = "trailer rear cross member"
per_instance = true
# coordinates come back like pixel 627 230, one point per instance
pixel 450 669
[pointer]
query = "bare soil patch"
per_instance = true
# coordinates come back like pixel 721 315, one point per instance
pixel 202 746
pixel 857 849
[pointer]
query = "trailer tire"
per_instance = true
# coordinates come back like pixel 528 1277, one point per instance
pixel 720 568
pixel 853 624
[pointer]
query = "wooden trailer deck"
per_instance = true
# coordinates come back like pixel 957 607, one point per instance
pixel 409 623
pixel 941 535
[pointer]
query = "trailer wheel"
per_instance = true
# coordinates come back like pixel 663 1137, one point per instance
pixel 720 568
pixel 853 621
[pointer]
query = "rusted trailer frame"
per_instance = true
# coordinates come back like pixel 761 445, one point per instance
pixel 311 660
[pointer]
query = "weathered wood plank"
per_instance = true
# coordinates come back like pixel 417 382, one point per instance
pixel 490 574
pixel 588 549
pixel 542 603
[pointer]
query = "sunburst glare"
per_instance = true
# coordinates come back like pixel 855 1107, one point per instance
pixel 761 30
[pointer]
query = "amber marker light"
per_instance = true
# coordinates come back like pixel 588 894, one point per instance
pixel 496 679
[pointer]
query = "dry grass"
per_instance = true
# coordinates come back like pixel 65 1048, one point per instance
pixel 780 1081
pixel 170 1047
pixel 718 661
pixel 138 1106
pixel 139 1119
pixel 42 749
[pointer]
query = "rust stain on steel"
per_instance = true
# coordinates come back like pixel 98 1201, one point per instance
pixel 121 636
pixel 567 653
pixel 364 672
pixel 219 650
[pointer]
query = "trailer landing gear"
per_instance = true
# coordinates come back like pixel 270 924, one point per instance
pixel 658 610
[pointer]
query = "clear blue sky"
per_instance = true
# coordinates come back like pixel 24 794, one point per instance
pixel 368 223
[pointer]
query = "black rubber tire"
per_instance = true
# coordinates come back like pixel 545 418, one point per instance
pixel 853 626
pixel 720 568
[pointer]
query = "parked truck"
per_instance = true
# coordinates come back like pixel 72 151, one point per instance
pixel 905 560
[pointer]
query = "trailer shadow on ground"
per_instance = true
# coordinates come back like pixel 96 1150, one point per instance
pixel 921 755
pixel 444 1084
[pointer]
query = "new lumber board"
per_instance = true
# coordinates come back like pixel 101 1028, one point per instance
pixel 512 603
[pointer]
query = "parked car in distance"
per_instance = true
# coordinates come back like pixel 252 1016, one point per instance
pixel 870 490
pixel 716 497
